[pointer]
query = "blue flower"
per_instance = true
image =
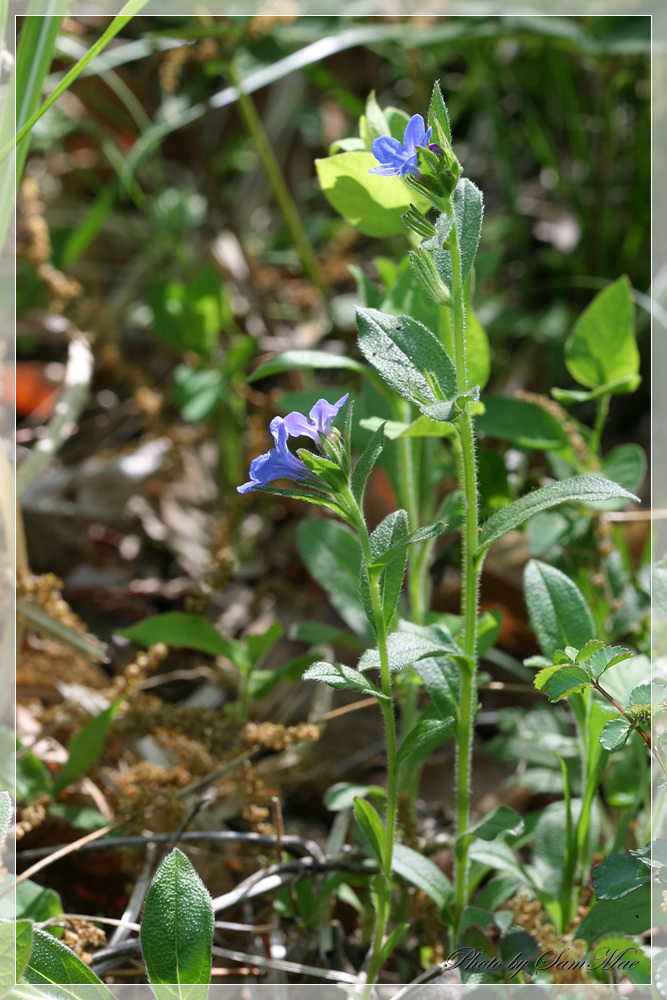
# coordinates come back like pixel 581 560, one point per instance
pixel 280 463
pixel 317 422
pixel 396 159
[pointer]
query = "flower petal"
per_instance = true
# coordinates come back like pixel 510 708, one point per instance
pixel 386 149
pixel 323 413
pixel 414 134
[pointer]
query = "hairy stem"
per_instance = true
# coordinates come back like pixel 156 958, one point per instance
pixel 470 567
pixel 387 708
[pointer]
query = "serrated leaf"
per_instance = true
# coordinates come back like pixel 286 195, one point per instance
pixel 176 628
pixel 177 926
pixel 365 465
pixel 420 871
pixel 602 659
pixel 563 682
pixel 558 612
pixel 424 738
pixel 629 915
pixel 576 489
pixel 646 695
pixel 615 734
pixel 372 825
pixel 602 347
pixel 585 653
pixel 332 554
pixel 617 875
pixel 318 360
pixel 403 350
pixel 84 748
pixel 501 820
pixel 372 204
pixel 404 648
pixel 54 965
pixel 340 677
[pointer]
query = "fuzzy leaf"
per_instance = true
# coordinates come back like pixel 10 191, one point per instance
pixel 343 678
pixel 365 464
pixel 372 825
pixel 426 737
pixel 405 648
pixel 558 612
pixel 418 870
pixel 576 489
pixel 292 360
pixel 402 350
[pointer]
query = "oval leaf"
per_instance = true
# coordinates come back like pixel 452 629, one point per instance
pixel 602 346
pixel 52 964
pixel 615 735
pixel 177 927
pixel 419 871
pixel 176 628
pixel 558 612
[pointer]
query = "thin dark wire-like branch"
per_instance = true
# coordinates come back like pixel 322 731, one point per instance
pixel 293 844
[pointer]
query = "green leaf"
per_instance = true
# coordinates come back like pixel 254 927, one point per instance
pixel 262 682
pixel 375 121
pixel 438 114
pixel 501 820
pixel 404 648
pixel 374 205
pixel 602 346
pixel 525 424
pixel 340 677
pixel 372 825
pixel 576 489
pixel 617 875
pixel 317 360
pixel 380 538
pixel 602 659
pixel 629 915
pixel 8 956
pixel 54 965
pixel 468 214
pixel 499 856
pixel 33 902
pixel 394 940
pixel 424 738
pixel 558 684
pixel 558 612
pixel 342 795
pixel 625 465
pixel 176 628
pixel 189 315
pixel 390 533
pixel 23 944
pixel 419 871
pixel 85 747
pixel 584 654
pixel 391 585
pixel 177 926
pixel 421 427
pixel 645 695
pixel 442 680
pixel 6 812
pixel 478 352
pixel 626 957
pixel 197 391
pixel 365 465
pixel 403 350
pixel 332 554
pixel 615 735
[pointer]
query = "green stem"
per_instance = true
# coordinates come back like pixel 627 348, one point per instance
pixel 596 436
pixel 275 177
pixel 387 708
pixel 471 566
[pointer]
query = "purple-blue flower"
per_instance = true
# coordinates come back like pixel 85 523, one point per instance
pixel 317 422
pixel 396 159
pixel 280 463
